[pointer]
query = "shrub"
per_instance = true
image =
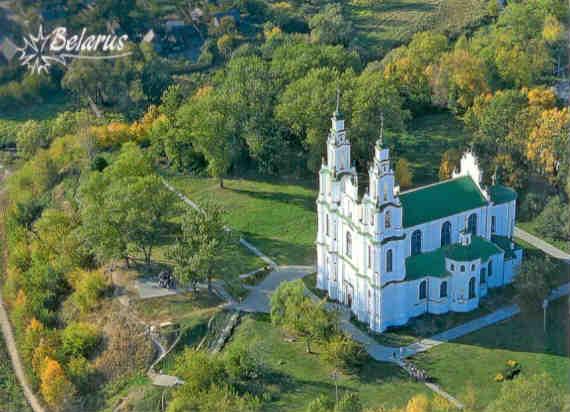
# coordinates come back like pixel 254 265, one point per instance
pixel 79 370
pixel 89 289
pixel 79 339
pixel 241 364
pixel 344 353
pixel 56 389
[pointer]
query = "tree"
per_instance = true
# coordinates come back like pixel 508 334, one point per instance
pixel 403 173
pixel 344 353
pixel 329 26
pixel 532 393
pixel 292 309
pixel 554 220
pixel 532 284
pixel 199 249
pixel 548 142
pixel 31 136
pixel 56 389
pixel 301 105
pixel 79 339
pixel 208 121
pixel 406 66
pixel 457 79
pixel 449 162
pixel 125 207
pixel 375 98
pixel 419 403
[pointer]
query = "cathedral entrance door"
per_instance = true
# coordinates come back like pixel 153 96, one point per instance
pixel 349 291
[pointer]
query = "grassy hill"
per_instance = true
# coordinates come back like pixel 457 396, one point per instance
pixel 384 24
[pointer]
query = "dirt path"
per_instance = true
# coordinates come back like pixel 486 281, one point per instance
pixel 17 365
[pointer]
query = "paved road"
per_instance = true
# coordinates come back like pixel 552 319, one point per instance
pixel 258 298
pixel 542 245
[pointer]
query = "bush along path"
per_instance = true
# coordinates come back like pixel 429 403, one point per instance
pixel 6 327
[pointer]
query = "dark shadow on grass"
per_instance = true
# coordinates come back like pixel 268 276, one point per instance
pixel 305 201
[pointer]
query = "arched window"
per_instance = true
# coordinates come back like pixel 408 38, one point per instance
pixel 472 224
pixel 348 244
pixel 446 234
pixel 417 242
pixel 387 220
pixel 327 231
pixel 462 268
pixel 372 219
pixel 483 275
pixel 493 224
pixel 369 257
pixel 490 268
pixel 423 290
pixel 389 259
pixel 443 290
pixel 385 192
pixel 471 288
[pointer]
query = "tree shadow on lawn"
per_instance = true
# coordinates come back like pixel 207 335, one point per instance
pixel 306 202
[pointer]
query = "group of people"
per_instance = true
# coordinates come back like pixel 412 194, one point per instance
pixel 415 372
pixel 166 280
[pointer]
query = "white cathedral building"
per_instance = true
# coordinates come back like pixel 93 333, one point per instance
pixel 390 255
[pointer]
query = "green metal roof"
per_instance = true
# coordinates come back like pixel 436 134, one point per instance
pixel 505 243
pixel 426 264
pixel 433 263
pixel 440 200
pixel 478 248
pixel 502 194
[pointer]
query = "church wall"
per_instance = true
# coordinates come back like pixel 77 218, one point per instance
pixel 399 302
pixel 504 218
pixel 437 304
pixel 431 231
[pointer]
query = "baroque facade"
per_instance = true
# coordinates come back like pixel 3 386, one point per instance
pixel 390 255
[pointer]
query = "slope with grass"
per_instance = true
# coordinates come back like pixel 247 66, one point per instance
pixel 295 377
pixel 473 361
pixel 384 24
pixel 278 217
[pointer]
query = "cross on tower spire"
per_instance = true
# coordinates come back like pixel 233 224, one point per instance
pixel 337 113
pixel 380 141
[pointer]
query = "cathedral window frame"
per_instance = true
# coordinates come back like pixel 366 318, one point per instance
pixel 443 289
pixel 471 288
pixel 422 292
pixel 446 234
pixel 472 224
pixel 416 242
pixel 389 260
pixel 348 244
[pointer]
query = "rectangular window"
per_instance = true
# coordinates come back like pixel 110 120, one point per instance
pixel 493 224
pixel 369 257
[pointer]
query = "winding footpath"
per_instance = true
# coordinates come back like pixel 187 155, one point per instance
pixel 6 327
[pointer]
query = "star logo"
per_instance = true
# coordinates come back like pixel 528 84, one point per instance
pixel 35 55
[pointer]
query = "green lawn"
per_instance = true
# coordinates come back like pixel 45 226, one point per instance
pixel 295 377
pixel 474 360
pixel 434 134
pixel 179 308
pixel 383 25
pixel 278 217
